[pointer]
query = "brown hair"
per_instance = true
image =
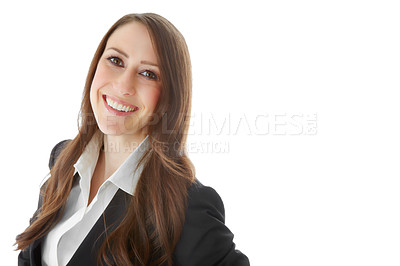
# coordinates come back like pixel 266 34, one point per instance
pixel 154 219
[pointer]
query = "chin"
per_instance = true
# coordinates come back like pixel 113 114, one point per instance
pixel 117 130
pixel 111 130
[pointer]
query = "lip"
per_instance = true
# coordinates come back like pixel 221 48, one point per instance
pixel 116 112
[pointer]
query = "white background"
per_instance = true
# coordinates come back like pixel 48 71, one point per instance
pixel 308 90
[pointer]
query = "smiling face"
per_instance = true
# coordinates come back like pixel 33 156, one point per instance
pixel 127 83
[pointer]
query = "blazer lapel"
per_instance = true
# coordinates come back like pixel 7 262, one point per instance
pixel 35 252
pixel 87 252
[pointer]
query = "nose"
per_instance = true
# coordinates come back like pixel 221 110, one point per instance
pixel 126 84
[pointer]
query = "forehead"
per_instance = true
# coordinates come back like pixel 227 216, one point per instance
pixel 134 39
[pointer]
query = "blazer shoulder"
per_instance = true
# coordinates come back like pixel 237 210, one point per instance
pixel 205 239
pixel 206 198
pixel 53 157
pixel 56 151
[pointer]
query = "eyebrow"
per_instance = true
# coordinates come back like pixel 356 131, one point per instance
pixel 145 62
pixel 119 51
pixel 148 63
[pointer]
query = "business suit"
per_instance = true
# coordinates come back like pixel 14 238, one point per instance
pixel 205 240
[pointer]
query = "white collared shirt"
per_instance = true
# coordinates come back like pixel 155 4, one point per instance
pixel 60 244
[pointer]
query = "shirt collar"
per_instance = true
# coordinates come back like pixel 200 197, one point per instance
pixel 87 161
pixel 125 177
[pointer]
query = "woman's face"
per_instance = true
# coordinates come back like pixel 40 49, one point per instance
pixel 127 82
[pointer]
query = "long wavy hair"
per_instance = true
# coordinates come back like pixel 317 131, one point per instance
pixel 152 224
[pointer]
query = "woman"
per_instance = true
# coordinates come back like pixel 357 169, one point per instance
pixel 123 191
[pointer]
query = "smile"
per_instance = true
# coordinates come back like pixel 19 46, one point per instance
pixel 118 107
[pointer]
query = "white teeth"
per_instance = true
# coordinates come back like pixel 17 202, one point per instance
pixel 119 107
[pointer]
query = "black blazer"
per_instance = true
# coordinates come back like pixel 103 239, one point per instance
pixel 205 240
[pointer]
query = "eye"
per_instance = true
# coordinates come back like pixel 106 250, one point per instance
pixel 149 75
pixel 116 61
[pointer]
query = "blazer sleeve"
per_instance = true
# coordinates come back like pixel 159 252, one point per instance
pixel 205 240
pixel 24 258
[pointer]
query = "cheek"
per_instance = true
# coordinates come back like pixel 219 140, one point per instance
pixel 98 81
pixel 152 98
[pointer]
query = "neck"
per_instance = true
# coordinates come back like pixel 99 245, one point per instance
pixel 116 149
